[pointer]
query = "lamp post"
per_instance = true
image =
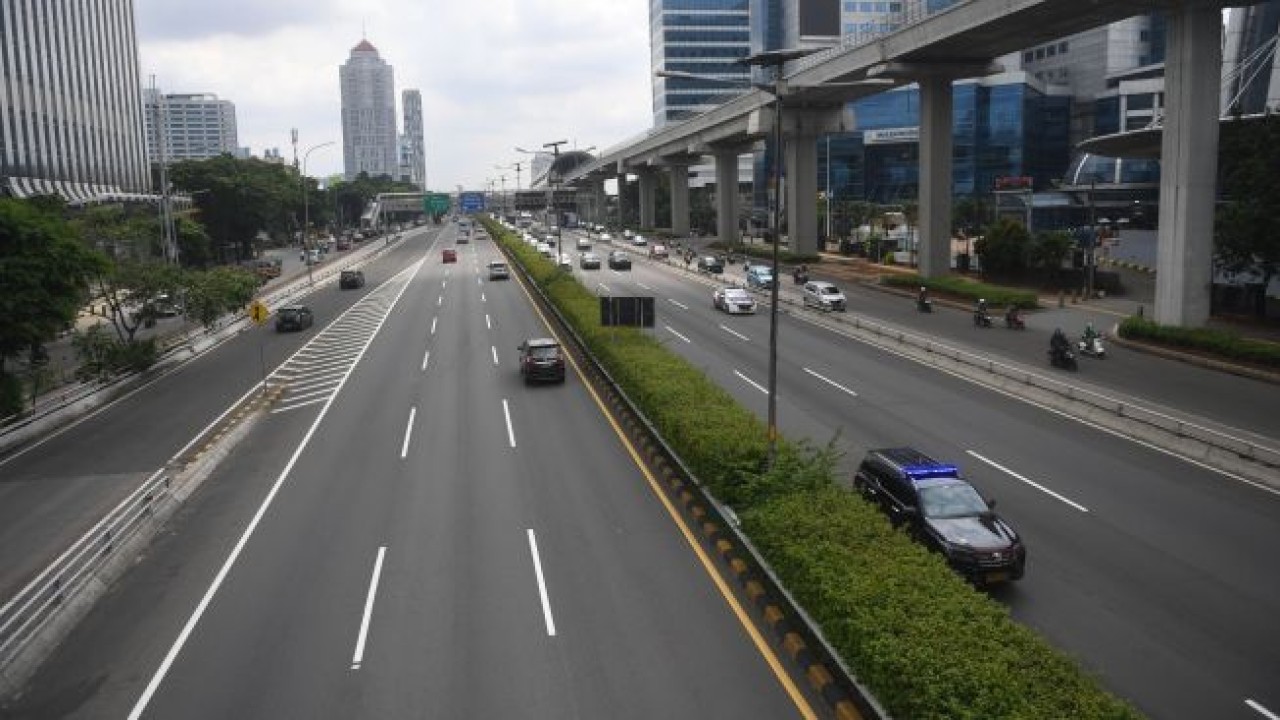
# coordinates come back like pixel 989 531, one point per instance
pixel 551 180
pixel 306 219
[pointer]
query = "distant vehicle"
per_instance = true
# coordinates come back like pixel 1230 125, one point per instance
pixel 589 261
pixel 498 270
pixel 710 264
pixel 344 243
pixel 350 279
pixel 943 512
pixel 639 241
pixel 734 301
pixel 584 243
pixel 760 276
pixel 294 317
pixel 659 252
pixel 619 260
pixel 565 262
pixel 627 234
pixel 545 250
pixel 449 255
pixel 824 295
pixel 606 237
pixel 541 359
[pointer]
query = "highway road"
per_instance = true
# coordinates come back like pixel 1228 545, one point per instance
pixel 1157 573
pixel 415 533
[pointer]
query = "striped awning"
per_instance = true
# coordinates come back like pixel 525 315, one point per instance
pixel 75 193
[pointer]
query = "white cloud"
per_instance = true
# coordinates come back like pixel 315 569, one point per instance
pixel 494 74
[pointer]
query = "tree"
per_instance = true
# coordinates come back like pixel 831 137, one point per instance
pixel 212 293
pixel 1050 250
pixel 1003 248
pixel 968 214
pixel 44 280
pixel 1247 229
pixel 238 199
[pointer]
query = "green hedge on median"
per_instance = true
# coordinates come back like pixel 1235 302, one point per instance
pixel 926 643
pixel 1224 344
pixel 959 287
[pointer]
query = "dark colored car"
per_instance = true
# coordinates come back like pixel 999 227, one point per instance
pixel 710 264
pixel 943 512
pixel 619 260
pixel 449 255
pixel 498 271
pixel 351 279
pixel 541 359
pixel 294 317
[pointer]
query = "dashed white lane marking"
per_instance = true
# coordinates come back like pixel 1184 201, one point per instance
pixel 426 358
pixel 1256 706
pixel 542 585
pixel 678 304
pixel 673 332
pixel 1030 482
pixel 735 333
pixel 358 657
pixel 408 433
pixel 831 382
pixel 511 433
pixel 433 325
pixel 494 349
pixel 752 383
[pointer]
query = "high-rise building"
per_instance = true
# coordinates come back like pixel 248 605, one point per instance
pixel 705 38
pixel 183 126
pixel 413 154
pixel 369 142
pixel 71 101
pixel 1250 60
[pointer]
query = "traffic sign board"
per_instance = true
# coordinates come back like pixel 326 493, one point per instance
pixel 435 203
pixel 471 201
pixel 259 312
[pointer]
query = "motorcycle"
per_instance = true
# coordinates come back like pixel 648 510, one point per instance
pixel 981 318
pixel 1014 322
pixel 1063 358
pixel 924 305
pixel 800 278
pixel 1092 347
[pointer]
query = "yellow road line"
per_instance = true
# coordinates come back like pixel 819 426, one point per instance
pixel 797 697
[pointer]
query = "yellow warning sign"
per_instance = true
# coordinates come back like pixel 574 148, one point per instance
pixel 259 312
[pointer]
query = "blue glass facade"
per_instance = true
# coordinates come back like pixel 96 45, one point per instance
pixel 997 130
pixel 703 37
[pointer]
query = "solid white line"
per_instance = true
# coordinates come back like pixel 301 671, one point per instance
pixel 426 357
pixel 542 585
pixel 753 383
pixel 1261 710
pixel 487 324
pixel 408 433
pixel 1033 484
pixel 433 325
pixel 678 304
pixel 171 656
pixel 673 332
pixel 494 348
pixel 358 657
pixel 831 382
pixel 511 433
pixel 646 287
pixel 735 333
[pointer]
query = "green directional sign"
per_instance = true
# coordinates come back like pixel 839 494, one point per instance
pixel 436 203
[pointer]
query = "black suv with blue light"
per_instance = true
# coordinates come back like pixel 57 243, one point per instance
pixel 942 511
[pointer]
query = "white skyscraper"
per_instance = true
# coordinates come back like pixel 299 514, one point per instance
pixel 413 148
pixel 369 141
pixel 71 101
pixel 191 126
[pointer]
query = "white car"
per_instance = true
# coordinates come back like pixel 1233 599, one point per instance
pixel 545 250
pixel 566 262
pixel 584 243
pixel 824 296
pixel 639 241
pixel 734 301
pixel 606 237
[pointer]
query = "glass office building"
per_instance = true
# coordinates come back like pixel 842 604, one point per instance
pixel 704 37
pixel 1002 126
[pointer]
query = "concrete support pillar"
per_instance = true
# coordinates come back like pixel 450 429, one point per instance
pixel 622 209
pixel 596 192
pixel 679 200
pixel 648 193
pixel 934 224
pixel 727 198
pixel 801 153
pixel 1188 165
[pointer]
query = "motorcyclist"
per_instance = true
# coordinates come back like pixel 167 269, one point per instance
pixel 980 314
pixel 923 297
pixel 1090 334
pixel 802 274
pixel 1011 316
pixel 1058 344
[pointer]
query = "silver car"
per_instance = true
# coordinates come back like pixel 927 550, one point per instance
pixel 824 296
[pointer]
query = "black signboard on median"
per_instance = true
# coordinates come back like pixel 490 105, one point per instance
pixel 626 312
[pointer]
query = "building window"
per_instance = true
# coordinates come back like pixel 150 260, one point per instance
pixel 1028 56
pixel 1062 47
pixel 1051 50
pixel 1039 53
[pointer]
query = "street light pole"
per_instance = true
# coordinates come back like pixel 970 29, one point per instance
pixel 551 180
pixel 306 219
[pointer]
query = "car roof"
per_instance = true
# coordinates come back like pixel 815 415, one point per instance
pixel 735 291
pixel 541 342
pixel 295 307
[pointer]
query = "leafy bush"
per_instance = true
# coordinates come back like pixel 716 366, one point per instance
pixel 10 395
pixel 959 287
pixel 1222 343
pixel 102 356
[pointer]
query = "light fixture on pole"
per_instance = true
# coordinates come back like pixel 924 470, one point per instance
pixel 306 220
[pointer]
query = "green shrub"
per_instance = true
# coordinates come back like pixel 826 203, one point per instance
pixel 11 402
pixel 996 295
pixel 1222 343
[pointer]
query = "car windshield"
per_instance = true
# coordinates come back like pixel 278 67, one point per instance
pixel 544 352
pixel 289 313
pixel 737 294
pixel 829 290
pixel 951 500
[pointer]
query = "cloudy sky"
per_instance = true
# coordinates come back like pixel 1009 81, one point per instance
pixel 494 74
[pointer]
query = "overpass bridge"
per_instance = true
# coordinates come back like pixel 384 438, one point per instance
pixel 932 50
